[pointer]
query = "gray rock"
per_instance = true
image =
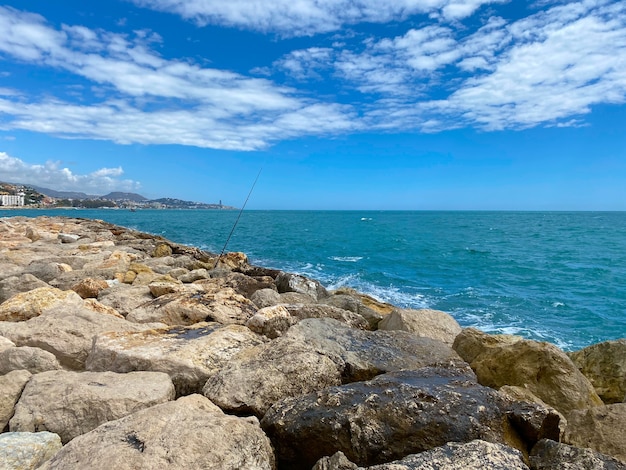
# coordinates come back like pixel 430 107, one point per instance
pixel 11 387
pixel 423 322
pixel 304 311
pixel 34 360
pixel 265 298
pixel 16 284
pixel 71 403
pixel 6 343
pixel 551 455
pixel 287 282
pixel 475 455
pixel 602 429
pixel 125 298
pixel 337 461
pixel 189 355
pixel 27 450
pixel 185 434
pixel 385 419
pixel 67 332
pixel 255 379
pixel 365 354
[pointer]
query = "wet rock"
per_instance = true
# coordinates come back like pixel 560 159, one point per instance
pixel 224 306
pixel 34 360
pixel 11 386
pixel 604 364
pixel 365 354
pixel 27 305
pixel 188 433
pixel 423 322
pixel 67 332
pixel 13 285
pixel 287 282
pixel 26 450
pixel 551 455
pixel 72 403
pixel 542 368
pixel 256 378
pixel 189 355
pixel 602 429
pixel 385 419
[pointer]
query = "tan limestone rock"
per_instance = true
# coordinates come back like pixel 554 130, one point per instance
pixel 73 403
pixel 604 364
pixel 90 288
pixel 184 308
pixel 11 387
pixel 184 434
pixel 423 322
pixel 602 429
pixel 162 250
pixel 34 360
pixel 93 304
pixel 540 367
pixel 27 305
pixel 27 450
pixel 189 355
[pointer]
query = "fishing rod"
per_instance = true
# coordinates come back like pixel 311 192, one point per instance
pixel 236 221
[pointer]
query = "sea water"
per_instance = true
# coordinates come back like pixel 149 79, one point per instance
pixel 550 276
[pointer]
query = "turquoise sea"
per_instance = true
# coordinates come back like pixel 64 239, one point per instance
pixel 550 276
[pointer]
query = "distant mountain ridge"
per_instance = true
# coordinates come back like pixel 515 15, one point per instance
pixel 123 199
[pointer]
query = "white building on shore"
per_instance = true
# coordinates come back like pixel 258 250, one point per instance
pixel 11 200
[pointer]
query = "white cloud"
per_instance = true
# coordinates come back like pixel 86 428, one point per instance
pixel 306 17
pixel 150 100
pixel 53 175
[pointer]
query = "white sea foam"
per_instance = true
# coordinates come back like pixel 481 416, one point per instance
pixel 347 259
pixel 558 304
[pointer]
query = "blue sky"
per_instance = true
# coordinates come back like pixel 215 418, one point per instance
pixel 345 104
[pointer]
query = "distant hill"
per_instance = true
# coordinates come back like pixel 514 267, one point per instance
pixel 60 194
pixel 120 196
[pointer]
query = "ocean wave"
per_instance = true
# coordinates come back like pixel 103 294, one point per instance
pixel 347 259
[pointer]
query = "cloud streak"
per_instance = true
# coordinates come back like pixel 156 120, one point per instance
pixel 52 174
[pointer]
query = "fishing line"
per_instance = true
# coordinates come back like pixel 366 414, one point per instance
pixel 236 221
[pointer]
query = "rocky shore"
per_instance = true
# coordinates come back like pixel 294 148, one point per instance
pixel 120 349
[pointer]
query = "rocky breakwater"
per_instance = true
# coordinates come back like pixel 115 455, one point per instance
pixel 120 349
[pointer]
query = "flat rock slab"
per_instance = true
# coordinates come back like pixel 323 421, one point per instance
pixel 27 450
pixel 184 434
pixel 189 355
pixel 73 403
pixel 186 308
pixel 365 354
pixel 387 418
pixel 423 322
pixel 66 332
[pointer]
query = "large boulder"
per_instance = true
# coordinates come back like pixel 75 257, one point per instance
pixel 423 322
pixel 275 320
pixel 90 288
pixel 186 308
pixel 552 455
pixel 184 434
pixel 288 282
pixel 125 298
pixel 387 418
pixel 604 364
pixel 540 367
pixel 27 305
pixel 67 332
pixel 72 403
pixel 474 455
pixel 265 298
pixel 189 355
pixel 11 387
pixel 34 360
pixel 241 283
pixel 364 354
pixel 602 429
pixel 27 450
pixel 257 378
pixel 367 306
pixel 13 285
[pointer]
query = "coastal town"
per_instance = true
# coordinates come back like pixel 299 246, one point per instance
pixel 25 196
